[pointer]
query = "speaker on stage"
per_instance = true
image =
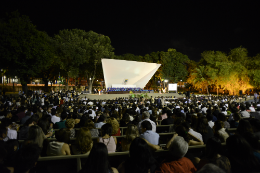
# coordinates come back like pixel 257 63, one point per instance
pixel 240 92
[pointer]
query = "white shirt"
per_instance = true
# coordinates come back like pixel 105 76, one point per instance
pixel 245 113
pixel 196 134
pixel 152 123
pixel 11 134
pixel 252 109
pixel 55 119
pixel 211 124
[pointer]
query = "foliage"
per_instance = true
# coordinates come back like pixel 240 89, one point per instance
pixel 25 51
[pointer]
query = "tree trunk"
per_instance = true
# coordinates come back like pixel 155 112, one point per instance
pixel 67 84
pixel 90 86
pixel 24 87
pixel 45 80
pixel 217 91
pixel 207 89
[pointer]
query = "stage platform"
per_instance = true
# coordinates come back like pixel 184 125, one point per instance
pixel 113 96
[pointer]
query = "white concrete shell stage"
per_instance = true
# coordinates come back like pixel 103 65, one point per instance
pixel 113 96
pixel 127 74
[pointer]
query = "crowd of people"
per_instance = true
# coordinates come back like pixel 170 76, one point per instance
pixel 91 127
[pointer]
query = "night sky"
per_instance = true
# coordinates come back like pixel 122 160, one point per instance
pixel 142 27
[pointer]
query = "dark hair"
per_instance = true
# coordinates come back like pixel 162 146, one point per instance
pixel 182 131
pixel 213 147
pixel 101 118
pixel 63 135
pixel 2 130
pixel 209 117
pixel 35 117
pixel 194 122
pixel 236 116
pixel 244 126
pixel 203 125
pixel 252 139
pixel 63 115
pixel 222 117
pixel 242 153
pixel 97 161
pixel 147 125
pixel 26 157
pixel 140 158
pixel 45 125
pixel 106 129
pixel 29 121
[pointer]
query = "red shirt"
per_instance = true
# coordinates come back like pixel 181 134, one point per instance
pixel 183 165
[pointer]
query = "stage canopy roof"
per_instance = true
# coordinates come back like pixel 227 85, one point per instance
pixel 127 73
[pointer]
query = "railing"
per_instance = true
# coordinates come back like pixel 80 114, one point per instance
pixel 126 153
pixel 93 138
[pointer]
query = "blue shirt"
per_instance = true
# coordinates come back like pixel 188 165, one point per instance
pixel 151 137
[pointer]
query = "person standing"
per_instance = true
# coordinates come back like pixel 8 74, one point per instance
pixel 255 97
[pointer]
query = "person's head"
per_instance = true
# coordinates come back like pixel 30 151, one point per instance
pixel 146 125
pixel 83 140
pixel 236 116
pixel 212 168
pixel 70 123
pixel 178 148
pixel 203 125
pixel 244 126
pixel 140 157
pixel 213 147
pixel 222 117
pixel 36 135
pixel 63 135
pixel 145 115
pixel 209 117
pixel 26 158
pixel 106 129
pixel 115 125
pixel 218 125
pixel 131 133
pixel 240 150
pixel 98 159
pixel 90 124
pixel 183 132
pixel 64 115
pixel 102 118
pixel 3 132
pixel 45 125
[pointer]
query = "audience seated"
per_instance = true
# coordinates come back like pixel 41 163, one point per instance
pixel 61 146
pixel 178 148
pixel 107 139
pixel 90 125
pixel 212 168
pixel 204 129
pixel 148 134
pixel 115 126
pixel 70 124
pixel 191 119
pixel 26 158
pixel 97 161
pixel 241 155
pixel 83 143
pixel 131 133
pixel 140 159
pixel 213 150
pixel 220 131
